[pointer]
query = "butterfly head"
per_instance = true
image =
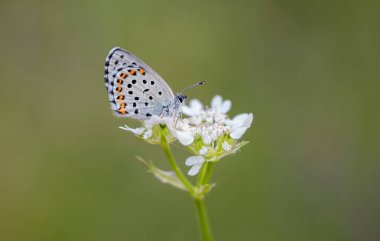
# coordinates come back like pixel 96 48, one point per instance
pixel 179 100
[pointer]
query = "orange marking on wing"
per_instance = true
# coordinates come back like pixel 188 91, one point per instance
pixel 141 71
pixel 120 97
pixel 120 80
pixel 132 72
pixel 122 111
pixel 118 89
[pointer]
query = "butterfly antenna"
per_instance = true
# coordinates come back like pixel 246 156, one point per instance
pixel 192 86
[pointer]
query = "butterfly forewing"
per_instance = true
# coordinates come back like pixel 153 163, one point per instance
pixel 134 89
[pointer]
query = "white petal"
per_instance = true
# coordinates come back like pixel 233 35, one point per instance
pixel 187 110
pixel 148 134
pixel 196 121
pixel 168 121
pixel 226 146
pixel 248 121
pixel 226 106
pixel 239 119
pixel 184 137
pixel 194 170
pixel 203 150
pixel 242 120
pixel 182 125
pixel 216 102
pixel 238 132
pixel 194 160
pixel 195 105
pixel 154 120
pixel 206 139
pixel 136 131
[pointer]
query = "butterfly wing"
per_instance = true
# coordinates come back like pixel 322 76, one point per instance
pixel 135 90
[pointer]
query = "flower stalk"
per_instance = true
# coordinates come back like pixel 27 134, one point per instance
pixel 203 220
pixel 206 172
pixel 199 201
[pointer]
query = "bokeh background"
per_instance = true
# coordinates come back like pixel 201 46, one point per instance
pixel 308 70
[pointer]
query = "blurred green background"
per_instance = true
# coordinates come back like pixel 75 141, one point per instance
pixel 308 70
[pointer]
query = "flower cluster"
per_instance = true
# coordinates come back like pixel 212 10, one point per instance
pixel 207 132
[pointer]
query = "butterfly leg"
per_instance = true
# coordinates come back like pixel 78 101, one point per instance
pixel 177 117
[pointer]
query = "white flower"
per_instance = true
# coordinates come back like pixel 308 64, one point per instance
pixel 218 105
pixel 206 138
pixel 148 134
pixel 211 132
pixel 136 131
pixel 194 109
pixel 184 137
pixel 203 150
pixel 195 162
pixel 226 146
pixel 180 129
pixel 183 131
pixel 239 124
pixel 198 114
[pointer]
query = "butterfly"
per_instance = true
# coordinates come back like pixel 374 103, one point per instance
pixel 135 90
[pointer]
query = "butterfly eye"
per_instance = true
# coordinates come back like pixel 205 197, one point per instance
pixel 182 98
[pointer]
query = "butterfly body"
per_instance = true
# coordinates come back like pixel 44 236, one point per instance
pixel 137 91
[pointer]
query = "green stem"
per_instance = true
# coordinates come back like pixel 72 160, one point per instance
pixel 206 172
pixel 204 176
pixel 202 173
pixel 174 166
pixel 203 221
